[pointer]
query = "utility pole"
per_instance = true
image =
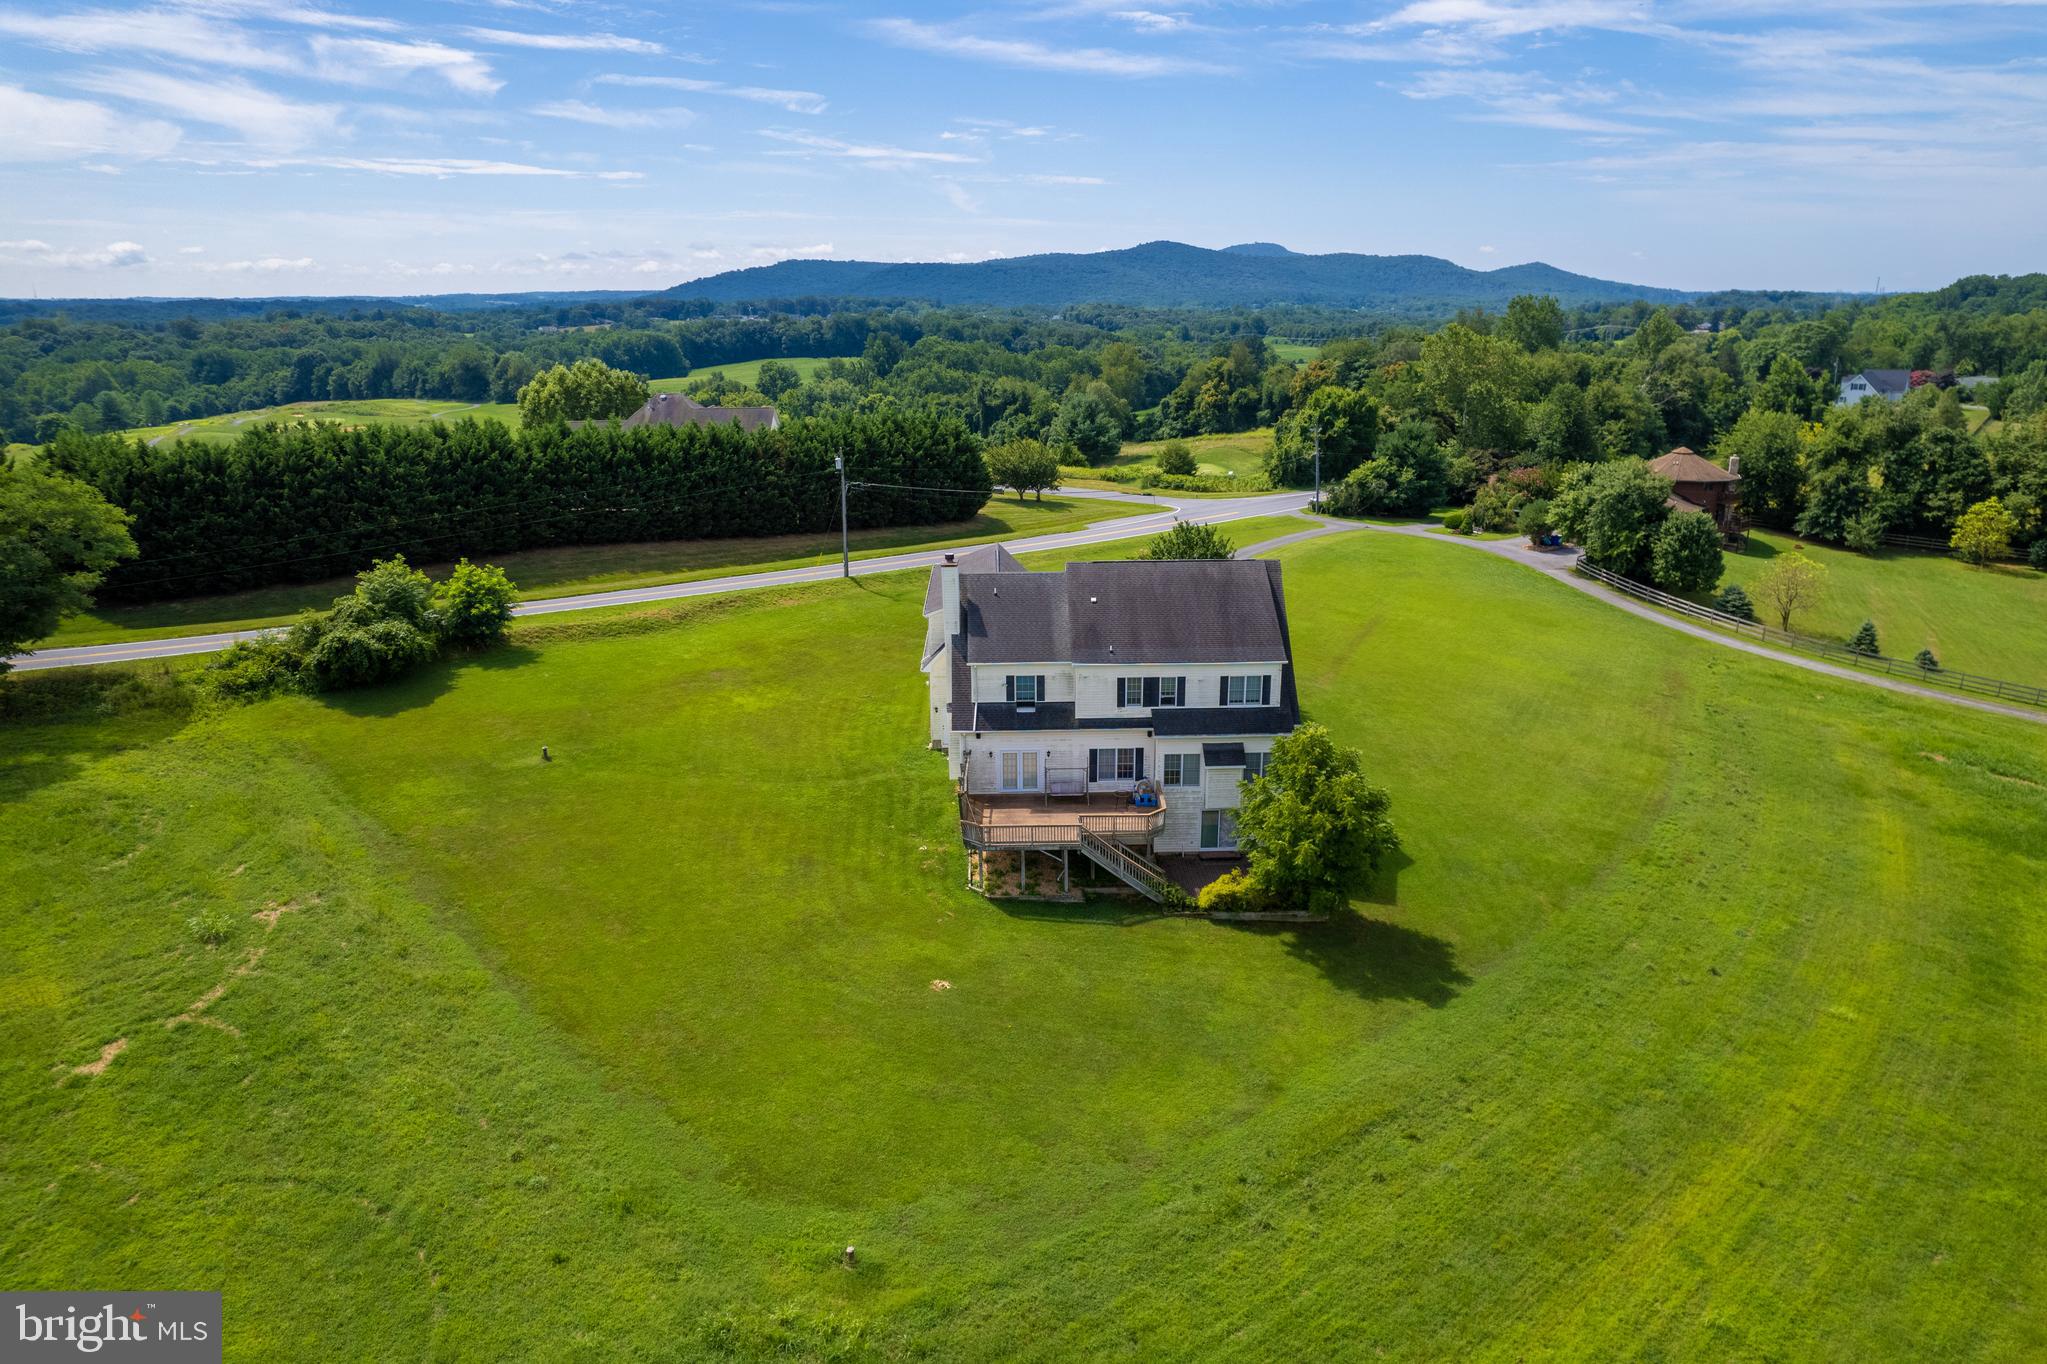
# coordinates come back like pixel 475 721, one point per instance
pixel 1318 468
pixel 845 543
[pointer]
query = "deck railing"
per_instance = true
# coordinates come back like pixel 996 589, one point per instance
pixel 979 829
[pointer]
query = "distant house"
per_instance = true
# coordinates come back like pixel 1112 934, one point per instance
pixel 1110 709
pixel 1888 384
pixel 1698 484
pixel 674 409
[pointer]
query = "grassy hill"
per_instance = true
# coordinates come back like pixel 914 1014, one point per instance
pixel 1979 620
pixel 223 429
pixel 1699 1019
pixel 1169 275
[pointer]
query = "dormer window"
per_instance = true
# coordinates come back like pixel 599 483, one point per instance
pixel 1025 690
pixel 1249 690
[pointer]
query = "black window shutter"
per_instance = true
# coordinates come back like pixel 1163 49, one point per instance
pixel 1182 692
pixel 1140 764
pixel 1265 690
pixel 1094 764
pixel 1009 688
pixel 1151 691
pixel 1041 689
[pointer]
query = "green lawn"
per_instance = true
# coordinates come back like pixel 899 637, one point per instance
pixel 1700 1018
pixel 1297 352
pixel 746 372
pixel 1240 455
pixel 222 429
pixel 1979 620
pixel 1243 534
pixel 569 570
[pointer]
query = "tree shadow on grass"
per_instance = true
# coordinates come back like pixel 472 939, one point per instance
pixel 54 724
pixel 427 685
pixel 1377 960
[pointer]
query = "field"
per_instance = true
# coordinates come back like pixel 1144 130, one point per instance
pixel 1700 1018
pixel 1295 351
pixel 1240 456
pixel 1979 620
pixel 226 427
pixel 569 570
pixel 745 372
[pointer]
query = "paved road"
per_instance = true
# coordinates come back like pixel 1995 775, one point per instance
pixel 1206 510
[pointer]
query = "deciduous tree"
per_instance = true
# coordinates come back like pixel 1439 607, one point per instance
pixel 1792 582
pixel 57 537
pixel 1312 825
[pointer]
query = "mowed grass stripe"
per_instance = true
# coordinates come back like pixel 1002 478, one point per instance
pixel 1700 1019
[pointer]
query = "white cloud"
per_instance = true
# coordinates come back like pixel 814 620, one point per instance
pixel 37 127
pixel 566 42
pixel 432 166
pixel 1523 98
pixel 1092 61
pixel 1062 179
pixel 305 15
pixel 860 151
pixel 262 118
pixel 113 256
pixel 268 265
pixel 191 250
pixel 1150 20
pixel 364 59
pixel 580 111
pixel 160 32
pixel 795 101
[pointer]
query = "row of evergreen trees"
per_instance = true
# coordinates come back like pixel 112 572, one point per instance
pixel 305 502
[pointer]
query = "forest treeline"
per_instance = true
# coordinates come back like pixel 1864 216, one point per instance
pixel 1168 372
pixel 303 502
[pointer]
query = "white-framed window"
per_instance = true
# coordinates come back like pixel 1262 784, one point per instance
pixel 1251 689
pixel 1129 691
pixel 1019 769
pixel 1218 829
pixel 1180 769
pixel 1169 691
pixel 1023 689
pixel 1254 765
pixel 1115 764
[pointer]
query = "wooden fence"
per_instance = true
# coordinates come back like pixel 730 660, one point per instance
pixel 1827 649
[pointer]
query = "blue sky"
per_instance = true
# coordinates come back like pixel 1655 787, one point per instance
pixel 361 146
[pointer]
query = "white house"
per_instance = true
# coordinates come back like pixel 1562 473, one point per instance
pixel 1888 384
pixel 1111 708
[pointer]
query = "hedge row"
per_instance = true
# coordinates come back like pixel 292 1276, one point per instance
pixel 305 502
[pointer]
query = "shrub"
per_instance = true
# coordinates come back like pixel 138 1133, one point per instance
pixel 2037 555
pixel 1189 541
pixel 1534 521
pixel 1863 641
pixel 1175 458
pixel 254 668
pixel 1926 661
pixel 475 604
pixel 1733 600
pixel 1684 554
pixel 1232 893
pixel 213 925
pixel 1456 520
pixel 1495 508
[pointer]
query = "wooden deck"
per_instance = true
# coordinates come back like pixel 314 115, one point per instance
pixel 1033 821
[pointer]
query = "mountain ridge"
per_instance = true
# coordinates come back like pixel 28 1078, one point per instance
pixel 1168 274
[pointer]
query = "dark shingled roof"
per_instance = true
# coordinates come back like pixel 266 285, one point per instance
pixel 1136 612
pixel 1889 381
pixel 674 409
pixel 979 559
pixel 1223 755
